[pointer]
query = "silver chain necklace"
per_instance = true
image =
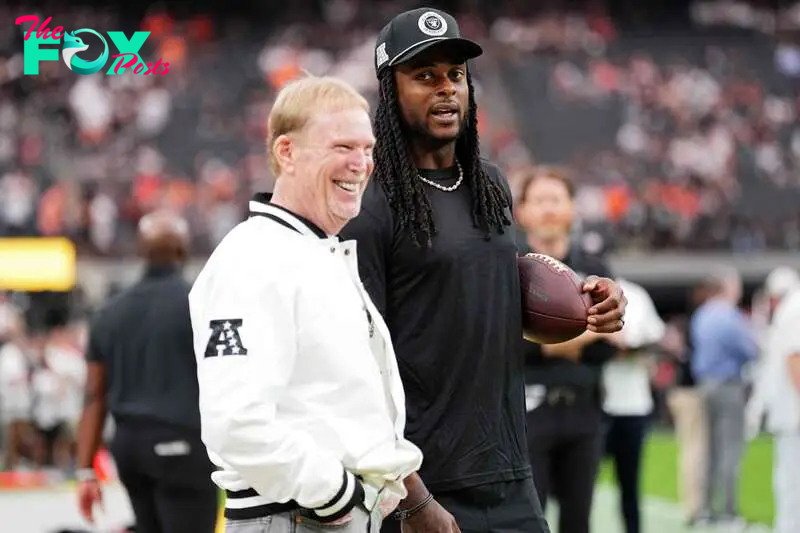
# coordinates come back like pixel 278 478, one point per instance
pixel 442 187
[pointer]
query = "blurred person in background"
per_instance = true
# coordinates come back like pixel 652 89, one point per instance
pixel 9 318
pixel 687 409
pixel 777 394
pixel 724 344
pixel 563 382
pixel 50 396
pixel 64 354
pixel 142 369
pixel 15 390
pixel 628 398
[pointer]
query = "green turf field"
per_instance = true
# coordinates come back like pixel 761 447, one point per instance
pixel 660 475
pixel 38 511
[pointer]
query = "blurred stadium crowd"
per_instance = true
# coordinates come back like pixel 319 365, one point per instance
pixel 42 378
pixel 683 139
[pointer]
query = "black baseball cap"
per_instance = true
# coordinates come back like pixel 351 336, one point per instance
pixel 412 32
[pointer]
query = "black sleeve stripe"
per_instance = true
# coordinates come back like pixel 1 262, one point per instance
pixel 349 495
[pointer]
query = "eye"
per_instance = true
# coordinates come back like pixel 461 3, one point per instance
pixel 342 148
pixel 457 75
pixel 425 75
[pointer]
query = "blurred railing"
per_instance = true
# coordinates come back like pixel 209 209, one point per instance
pixel 97 276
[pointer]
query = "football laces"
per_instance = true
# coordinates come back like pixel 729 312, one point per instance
pixel 555 263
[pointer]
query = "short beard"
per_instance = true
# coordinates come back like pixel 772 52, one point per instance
pixel 423 137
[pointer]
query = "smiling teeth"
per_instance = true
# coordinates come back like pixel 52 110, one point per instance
pixel 347 186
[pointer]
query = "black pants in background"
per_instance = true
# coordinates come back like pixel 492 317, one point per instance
pixel 505 507
pixel 565 446
pixel 166 471
pixel 624 444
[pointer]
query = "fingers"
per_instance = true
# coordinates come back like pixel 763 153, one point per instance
pixel 606 306
pixel 85 506
pixel 610 327
pixel 615 300
pixel 608 315
pixel 590 283
pixel 87 499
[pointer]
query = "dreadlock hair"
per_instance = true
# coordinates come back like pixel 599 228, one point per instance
pixel 396 171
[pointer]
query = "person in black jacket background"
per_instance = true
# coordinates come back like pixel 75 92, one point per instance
pixel 142 370
pixel 562 381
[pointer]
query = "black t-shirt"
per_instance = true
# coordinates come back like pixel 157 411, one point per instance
pixel 143 338
pixel 552 371
pixel 455 317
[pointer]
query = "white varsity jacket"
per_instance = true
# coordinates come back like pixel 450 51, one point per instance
pixel 300 397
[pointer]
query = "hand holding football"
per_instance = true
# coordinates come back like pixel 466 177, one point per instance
pixel 554 307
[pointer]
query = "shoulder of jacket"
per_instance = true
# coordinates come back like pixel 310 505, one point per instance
pixel 264 251
pixel 243 250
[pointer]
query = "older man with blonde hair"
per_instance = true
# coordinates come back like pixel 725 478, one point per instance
pixel 301 403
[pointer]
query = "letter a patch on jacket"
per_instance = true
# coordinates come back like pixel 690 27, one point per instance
pixel 225 339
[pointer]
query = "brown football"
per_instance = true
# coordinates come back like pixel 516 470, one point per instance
pixel 554 308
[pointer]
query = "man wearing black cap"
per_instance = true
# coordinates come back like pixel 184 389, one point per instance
pixel 438 256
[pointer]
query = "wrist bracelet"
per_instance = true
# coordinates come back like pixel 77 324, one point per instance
pixel 86 474
pixel 408 513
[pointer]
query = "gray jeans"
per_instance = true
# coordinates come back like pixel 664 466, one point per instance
pixel 362 521
pixel 725 405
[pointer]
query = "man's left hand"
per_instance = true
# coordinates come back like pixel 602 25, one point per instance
pixel 89 495
pixel 607 314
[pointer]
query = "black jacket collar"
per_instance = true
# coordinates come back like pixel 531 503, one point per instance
pixel 266 198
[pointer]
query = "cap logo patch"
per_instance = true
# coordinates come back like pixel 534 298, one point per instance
pixel 381 56
pixel 432 23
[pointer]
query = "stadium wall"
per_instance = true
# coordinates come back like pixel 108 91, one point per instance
pixel 662 270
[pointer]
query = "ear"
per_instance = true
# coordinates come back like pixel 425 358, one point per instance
pixel 283 151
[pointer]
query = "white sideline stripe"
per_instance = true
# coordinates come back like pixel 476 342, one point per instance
pixel 659 515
